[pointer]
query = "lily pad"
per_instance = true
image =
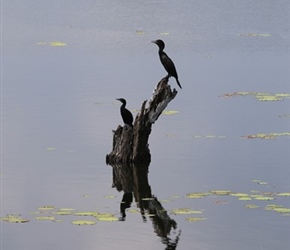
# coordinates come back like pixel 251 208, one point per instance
pixel 196 195
pixel 62 212
pixel 264 198
pixel 239 194
pixel 269 98
pixel 221 192
pixel 251 206
pixel 195 219
pixel 284 194
pixel 12 218
pixel 57 44
pixel 186 211
pixel 46 208
pixel 170 112
pixel 87 213
pixel 246 198
pixel 106 217
pixel 47 218
pixel 83 222
pixel 110 196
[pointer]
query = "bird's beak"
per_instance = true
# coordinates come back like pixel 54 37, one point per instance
pixel 153 41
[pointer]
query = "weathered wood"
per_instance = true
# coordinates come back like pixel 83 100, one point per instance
pixel 131 144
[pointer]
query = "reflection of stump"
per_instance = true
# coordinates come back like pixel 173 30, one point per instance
pixel 131 145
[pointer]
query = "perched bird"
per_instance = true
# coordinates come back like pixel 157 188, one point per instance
pixel 125 113
pixel 166 61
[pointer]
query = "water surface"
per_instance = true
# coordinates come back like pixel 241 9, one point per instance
pixel 59 110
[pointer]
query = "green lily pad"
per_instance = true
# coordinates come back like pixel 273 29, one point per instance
pixel 12 218
pixel 195 219
pixel 239 194
pixel 196 195
pixel 106 217
pixel 57 44
pixel 87 213
pixel 170 112
pixel 62 212
pixel 186 211
pixel 47 218
pixel 83 222
pixel 264 198
pixel 221 192
pixel 110 196
pixel 251 206
pixel 46 208
pixel 269 98
pixel 284 194
pixel 246 198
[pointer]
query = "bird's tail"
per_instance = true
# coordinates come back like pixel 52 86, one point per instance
pixel 178 83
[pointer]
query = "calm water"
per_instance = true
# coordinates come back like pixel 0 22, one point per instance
pixel 59 110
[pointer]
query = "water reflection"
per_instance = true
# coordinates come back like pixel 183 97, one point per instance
pixel 132 179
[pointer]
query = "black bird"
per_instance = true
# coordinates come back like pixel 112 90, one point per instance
pixel 125 113
pixel 166 61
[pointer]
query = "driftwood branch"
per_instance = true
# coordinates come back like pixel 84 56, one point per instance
pixel 131 144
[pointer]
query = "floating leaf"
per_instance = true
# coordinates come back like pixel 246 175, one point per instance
pixel 88 213
pixel 196 195
pixel 266 136
pixel 219 202
pixel 170 112
pixel 245 198
pixel 46 208
pixel 277 208
pixel 269 98
pixel 272 206
pixel 110 196
pixel 133 211
pixel 251 206
pixel 282 210
pixel 239 194
pixel 62 213
pixel 83 222
pixel 264 198
pixel 284 194
pixel 186 211
pixel 106 217
pixel 57 44
pixel 12 218
pixel 261 96
pixel 195 219
pixel 47 218
pixel 221 192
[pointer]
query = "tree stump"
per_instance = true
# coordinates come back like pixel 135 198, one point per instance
pixel 130 145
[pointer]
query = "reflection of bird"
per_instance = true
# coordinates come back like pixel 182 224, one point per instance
pixel 166 61
pixel 125 113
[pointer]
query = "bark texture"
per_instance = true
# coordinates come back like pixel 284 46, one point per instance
pixel 130 145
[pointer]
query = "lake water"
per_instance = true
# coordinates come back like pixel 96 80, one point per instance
pixel 59 109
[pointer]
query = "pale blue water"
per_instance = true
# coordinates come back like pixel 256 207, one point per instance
pixel 59 110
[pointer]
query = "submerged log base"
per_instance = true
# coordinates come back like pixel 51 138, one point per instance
pixel 131 144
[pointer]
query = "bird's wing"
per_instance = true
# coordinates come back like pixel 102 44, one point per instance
pixel 168 64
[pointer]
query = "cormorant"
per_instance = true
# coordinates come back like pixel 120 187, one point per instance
pixel 166 61
pixel 125 113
